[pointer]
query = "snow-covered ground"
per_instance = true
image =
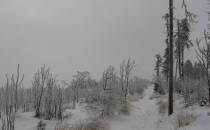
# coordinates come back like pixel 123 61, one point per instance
pixel 144 115
pixel 203 119
pixel 27 121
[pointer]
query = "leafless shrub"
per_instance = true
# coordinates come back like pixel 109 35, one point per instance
pixel 162 107
pixel 124 109
pixel 184 119
pixel 60 126
pixel 96 125
pixel 208 113
pixel 9 101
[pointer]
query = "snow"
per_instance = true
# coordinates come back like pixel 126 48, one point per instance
pixel 203 119
pixel 77 115
pixel 27 121
pixel 143 115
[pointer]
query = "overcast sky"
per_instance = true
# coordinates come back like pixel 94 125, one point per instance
pixel 71 35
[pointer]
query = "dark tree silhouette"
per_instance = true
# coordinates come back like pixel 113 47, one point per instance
pixel 203 55
pixel 158 64
pixel 165 60
pixel 171 89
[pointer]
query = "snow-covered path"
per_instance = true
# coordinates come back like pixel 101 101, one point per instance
pixel 143 116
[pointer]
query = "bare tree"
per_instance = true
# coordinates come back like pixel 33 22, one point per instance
pixel 8 121
pixel 203 55
pixel 48 95
pixel 125 71
pixel 17 85
pixel 108 95
pixel 59 102
pixel 10 101
pixel 39 83
pixel 108 76
pixel 53 100
pixel 49 98
pixel 80 80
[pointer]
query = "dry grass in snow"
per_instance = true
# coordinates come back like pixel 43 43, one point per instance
pixel 124 109
pixel 84 125
pixel 184 119
pixel 163 106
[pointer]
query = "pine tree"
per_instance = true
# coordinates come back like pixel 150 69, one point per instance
pixel 165 62
pixel 158 64
pixel 182 40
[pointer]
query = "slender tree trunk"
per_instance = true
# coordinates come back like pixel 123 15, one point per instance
pixel 126 90
pixel 176 69
pixel 180 68
pixel 170 106
pixel 207 74
pixel 209 93
pixel 179 51
pixel 182 63
pixel 38 112
pixel 207 67
pixel 208 85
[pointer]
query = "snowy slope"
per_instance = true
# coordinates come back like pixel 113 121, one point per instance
pixel 27 121
pixel 143 115
pixel 202 121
